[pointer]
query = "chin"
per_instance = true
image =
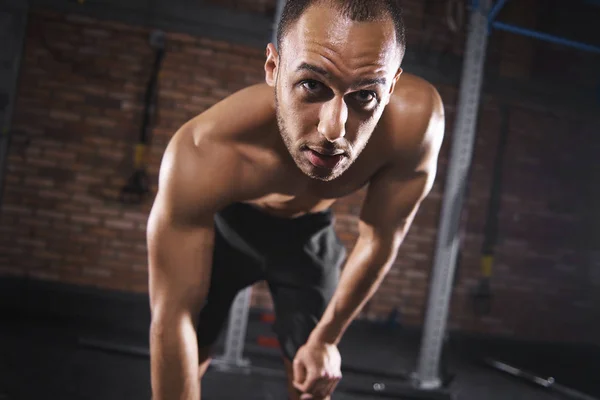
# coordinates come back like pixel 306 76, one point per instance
pixel 321 174
pixel 323 177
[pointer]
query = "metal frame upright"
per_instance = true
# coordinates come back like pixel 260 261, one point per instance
pixel 482 21
pixel 463 138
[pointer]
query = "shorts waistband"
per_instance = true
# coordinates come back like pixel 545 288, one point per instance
pixel 258 215
pixel 318 215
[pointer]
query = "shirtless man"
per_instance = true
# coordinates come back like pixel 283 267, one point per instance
pixel 245 191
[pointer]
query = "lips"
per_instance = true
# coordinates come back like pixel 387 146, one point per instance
pixel 321 160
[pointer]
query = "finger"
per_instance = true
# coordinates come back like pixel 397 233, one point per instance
pixel 333 385
pixel 326 386
pixel 311 380
pixel 319 388
pixel 299 373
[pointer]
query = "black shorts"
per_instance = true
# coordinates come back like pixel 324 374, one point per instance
pixel 299 258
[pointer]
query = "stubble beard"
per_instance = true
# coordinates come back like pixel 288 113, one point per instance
pixel 296 153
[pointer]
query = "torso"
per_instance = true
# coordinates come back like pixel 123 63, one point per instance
pixel 278 187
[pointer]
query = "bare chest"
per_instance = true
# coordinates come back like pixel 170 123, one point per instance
pixel 294 196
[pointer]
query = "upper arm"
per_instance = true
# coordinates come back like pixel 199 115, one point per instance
pixel 180 233
pixel 397 190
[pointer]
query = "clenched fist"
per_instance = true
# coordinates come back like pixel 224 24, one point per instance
pixel 317 370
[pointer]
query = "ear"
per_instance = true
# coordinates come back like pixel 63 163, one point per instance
pixel 271 65
pixel 394 81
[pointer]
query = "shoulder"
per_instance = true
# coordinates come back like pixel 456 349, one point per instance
pixel 240 120
pixel 237 115
pixel 204 162
pixel 414 119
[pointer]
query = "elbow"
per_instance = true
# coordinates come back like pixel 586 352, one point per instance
pixel 380 252
pixel 167 313
pixel 165 324
pixel 382 244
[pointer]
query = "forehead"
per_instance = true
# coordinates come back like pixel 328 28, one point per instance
pixel 323 35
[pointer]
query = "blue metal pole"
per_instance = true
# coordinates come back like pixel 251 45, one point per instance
pixel 496 10
pixel 546 37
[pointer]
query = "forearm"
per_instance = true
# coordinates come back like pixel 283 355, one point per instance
pixel 364 271
pixel 174 361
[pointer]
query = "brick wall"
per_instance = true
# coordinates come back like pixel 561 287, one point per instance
pixel 265 7
pixel 78 116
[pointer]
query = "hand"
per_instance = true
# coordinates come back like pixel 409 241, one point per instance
pixel 317 370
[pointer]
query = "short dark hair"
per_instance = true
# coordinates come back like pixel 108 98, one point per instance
pixel 356 10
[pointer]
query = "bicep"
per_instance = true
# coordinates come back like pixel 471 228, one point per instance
pixel 179 259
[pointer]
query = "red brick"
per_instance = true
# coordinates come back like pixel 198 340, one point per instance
pixel 85 219
pixel 101 122
pixel 136 217
pixel 96 210
pixel 60 155
pixel 96 272
pixel 64 115
pixel 30 242
pixel 87 179
pixel 15 209
pixel 119 224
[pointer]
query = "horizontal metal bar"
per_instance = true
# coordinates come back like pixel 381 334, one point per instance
pixel 546 37
pixel 496 10
pixel 546 382
pixel 388 390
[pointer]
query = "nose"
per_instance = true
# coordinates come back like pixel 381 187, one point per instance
pixel 332 121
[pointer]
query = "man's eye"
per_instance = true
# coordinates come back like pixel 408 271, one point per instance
pixel 312 86
pixel 365 96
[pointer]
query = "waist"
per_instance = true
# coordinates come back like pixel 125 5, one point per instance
pixel 287 213
pixel 255 214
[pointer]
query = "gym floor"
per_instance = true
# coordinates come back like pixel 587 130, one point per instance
pixel 43 359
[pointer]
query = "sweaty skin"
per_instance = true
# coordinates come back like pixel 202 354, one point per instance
pixel 323 126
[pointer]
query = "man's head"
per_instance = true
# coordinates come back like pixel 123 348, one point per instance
pixel 334 71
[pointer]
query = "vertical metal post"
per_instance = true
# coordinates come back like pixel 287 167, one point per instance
pixel 427 376
pixel 13 23
pixel 236 333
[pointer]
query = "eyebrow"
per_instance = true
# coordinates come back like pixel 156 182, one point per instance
pixel 313 68
pixel 321 71
pixel 369 82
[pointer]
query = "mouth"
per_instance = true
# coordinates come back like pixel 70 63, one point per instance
pixel 324 159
